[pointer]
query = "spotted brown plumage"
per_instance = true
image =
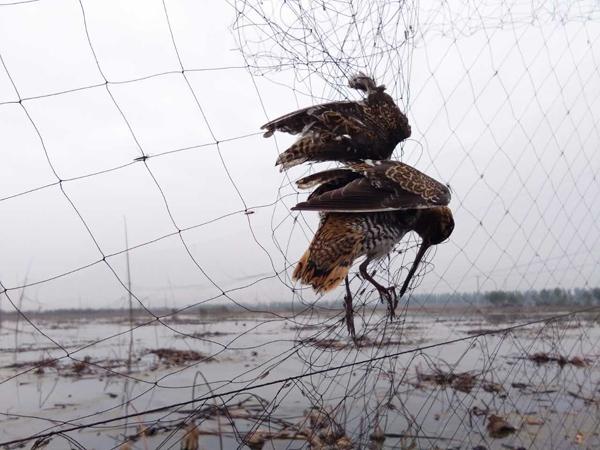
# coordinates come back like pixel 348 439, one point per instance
pixel 345 130
pixel 373 186
pixel 366 209
pixel 335 246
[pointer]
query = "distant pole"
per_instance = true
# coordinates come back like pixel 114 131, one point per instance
pixel 130 297
pixel 19 312
pixel 478 292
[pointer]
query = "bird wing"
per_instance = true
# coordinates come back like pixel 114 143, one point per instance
pixel 400 177
pixel 313 117
pixel 344 143
pixel 383 186
pixel 331 176
pixel 343 131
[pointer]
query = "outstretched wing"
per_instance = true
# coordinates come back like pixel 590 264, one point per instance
pixel 312 117
pixel 344 143
pixel 338 177
pixel 382 186
pixel 343 131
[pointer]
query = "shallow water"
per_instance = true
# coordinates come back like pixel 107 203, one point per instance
pixel 551 406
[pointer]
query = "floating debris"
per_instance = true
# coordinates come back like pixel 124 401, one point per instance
pixel 493 388
pixel 309 327
pixel 192 437
pixel 255 440
pixel 361 342
pixel 79 368
pixel 45 364
pixel 203 335
pixel 329 344
pixel 535 421
pixel 344 443
pixel 587 400
pixel 39 365
pixel 484 331
pixel 463 381
pixel 376 439
pixel 319 418
pixel 579 361
pixel 171 356
pixel 498 427
pixel 478 412
pixel 40 443
pixel 544 358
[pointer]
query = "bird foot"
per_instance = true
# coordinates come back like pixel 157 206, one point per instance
pixel 389 294
pixel 349 318
pixel 362 82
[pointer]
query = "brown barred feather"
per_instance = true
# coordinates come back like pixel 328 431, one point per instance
pixel 327 176
pixel 329 257
pixel 311 116
pixel 316 146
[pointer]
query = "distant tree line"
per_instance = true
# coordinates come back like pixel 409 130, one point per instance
pixel 531 298
pixel 545 297
pixel 556 297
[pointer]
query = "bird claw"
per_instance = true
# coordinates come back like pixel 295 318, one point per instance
pixel 358 81
pixel 350 322
pixel 363 82
pixel 389 294
pixel 349 317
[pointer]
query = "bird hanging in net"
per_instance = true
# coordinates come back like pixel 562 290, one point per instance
pixel 366 209
pixel 343 131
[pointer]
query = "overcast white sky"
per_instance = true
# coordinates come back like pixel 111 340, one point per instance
pixel 503 108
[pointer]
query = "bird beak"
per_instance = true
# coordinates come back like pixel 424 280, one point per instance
pixel 422 250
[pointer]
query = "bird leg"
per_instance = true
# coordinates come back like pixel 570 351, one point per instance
pixel 365 83
pixel 349 310
pixel 422 250
pixel 389 293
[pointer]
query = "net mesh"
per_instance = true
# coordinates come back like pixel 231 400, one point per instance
pixel 136 180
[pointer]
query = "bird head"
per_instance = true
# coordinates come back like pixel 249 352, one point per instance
pixel 434 225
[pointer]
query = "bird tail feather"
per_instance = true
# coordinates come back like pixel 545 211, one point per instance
pixel 331 253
